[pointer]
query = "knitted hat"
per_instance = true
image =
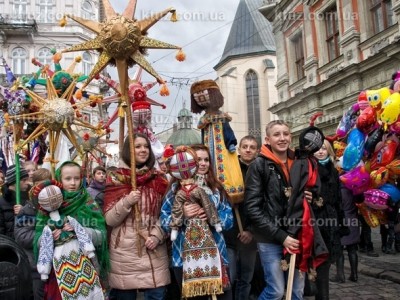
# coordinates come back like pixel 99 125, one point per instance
pixel 11 174
pixel 183 164
pixel 203 85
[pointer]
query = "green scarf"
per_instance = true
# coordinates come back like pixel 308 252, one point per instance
pixel 85 210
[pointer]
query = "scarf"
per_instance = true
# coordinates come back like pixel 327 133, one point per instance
pixel 150 183
pixel 79 205
pixel 118 184
pixel 267 152
pixel 98 186
pixel 324 161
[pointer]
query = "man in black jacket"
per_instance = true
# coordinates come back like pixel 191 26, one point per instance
pixel 267 190
pixel 242 249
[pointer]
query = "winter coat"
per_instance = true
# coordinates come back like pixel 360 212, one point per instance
pixel 7 202
pixel 350 218
pixel 128 269
pixel 24 232
pixel 330 215
pixel 265 200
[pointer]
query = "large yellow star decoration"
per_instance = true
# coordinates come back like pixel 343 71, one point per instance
pixel 56 114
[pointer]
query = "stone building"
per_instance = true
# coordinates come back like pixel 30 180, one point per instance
pixel 327 52
pixel 247 71
pixel 30 29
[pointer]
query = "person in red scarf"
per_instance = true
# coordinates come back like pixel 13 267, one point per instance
pixel 138 253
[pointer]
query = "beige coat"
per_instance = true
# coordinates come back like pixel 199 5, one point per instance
pixel 128 270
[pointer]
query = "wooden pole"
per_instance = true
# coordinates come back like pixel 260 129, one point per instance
pixel 238 220
pixel 289 287
pixel 123 82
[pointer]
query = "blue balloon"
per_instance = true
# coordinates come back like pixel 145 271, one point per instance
pixel 392 190
pixel 354 150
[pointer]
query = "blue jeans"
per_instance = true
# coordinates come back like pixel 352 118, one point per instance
pixel 241 268
pixel 275 279
pixel 149 294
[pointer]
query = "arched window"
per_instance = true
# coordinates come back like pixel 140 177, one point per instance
pixel 44 55
pixel 46 14
pixel 19 60
pixel 87 63
pixel 253 105
pixel 88 11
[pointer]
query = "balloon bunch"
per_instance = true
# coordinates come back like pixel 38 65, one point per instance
pixel 370 158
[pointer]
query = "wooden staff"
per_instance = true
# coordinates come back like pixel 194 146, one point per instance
pixel 289 288
pixel 123 78
pixel 238 220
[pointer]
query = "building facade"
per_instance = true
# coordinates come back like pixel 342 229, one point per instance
pixel 30 29
pixel 247 71
pixel 327 52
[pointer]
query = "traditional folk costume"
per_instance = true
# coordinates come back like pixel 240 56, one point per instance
pixel 202 265
pixel 218 136
pixel 86 212
pixel 71 255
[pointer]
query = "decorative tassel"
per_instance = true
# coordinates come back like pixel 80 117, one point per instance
pixel 63 21
pixel 174 18
pixel 78 94
pixel 65 124
pixel 121 112
pixel 180 56
pixel 57 57
pixel 164 90
pixel 78 59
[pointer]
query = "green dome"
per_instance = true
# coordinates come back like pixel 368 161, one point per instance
pixel 184 136
pixel 184 113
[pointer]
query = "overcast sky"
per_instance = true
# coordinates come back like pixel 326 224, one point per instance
pixel 202 31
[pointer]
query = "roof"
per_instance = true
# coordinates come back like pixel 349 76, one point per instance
pixel 184 136
pixel 251 33
pixel 184 112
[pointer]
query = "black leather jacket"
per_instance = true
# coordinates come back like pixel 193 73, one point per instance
pixel 265 201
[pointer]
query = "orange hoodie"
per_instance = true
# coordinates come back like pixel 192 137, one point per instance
pixel 266 151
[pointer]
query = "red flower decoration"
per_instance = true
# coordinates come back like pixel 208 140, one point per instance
pixel 86 136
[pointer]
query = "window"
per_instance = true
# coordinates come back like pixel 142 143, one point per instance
pixel 382 14
pixel 299 55
pixel 46 14
pixel 19 60
pixel 87 63
pixel 253 105
pixel 20 9
pixel 44 55
pixel 332 33
pixel 87 11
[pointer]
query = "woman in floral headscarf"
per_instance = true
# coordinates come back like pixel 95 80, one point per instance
pixel 77 204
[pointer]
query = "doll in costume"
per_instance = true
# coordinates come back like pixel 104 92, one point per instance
pixel 65 247
pixel 218 136
pixel 304 177
pixel 198 258
pixel 183 166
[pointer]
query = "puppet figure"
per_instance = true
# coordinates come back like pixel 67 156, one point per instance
pixel 71 254
pixel 218 136
pixel 202 265
pixel 304 176
pixel 183 166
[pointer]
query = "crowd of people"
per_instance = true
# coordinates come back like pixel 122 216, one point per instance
pixel 130 229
